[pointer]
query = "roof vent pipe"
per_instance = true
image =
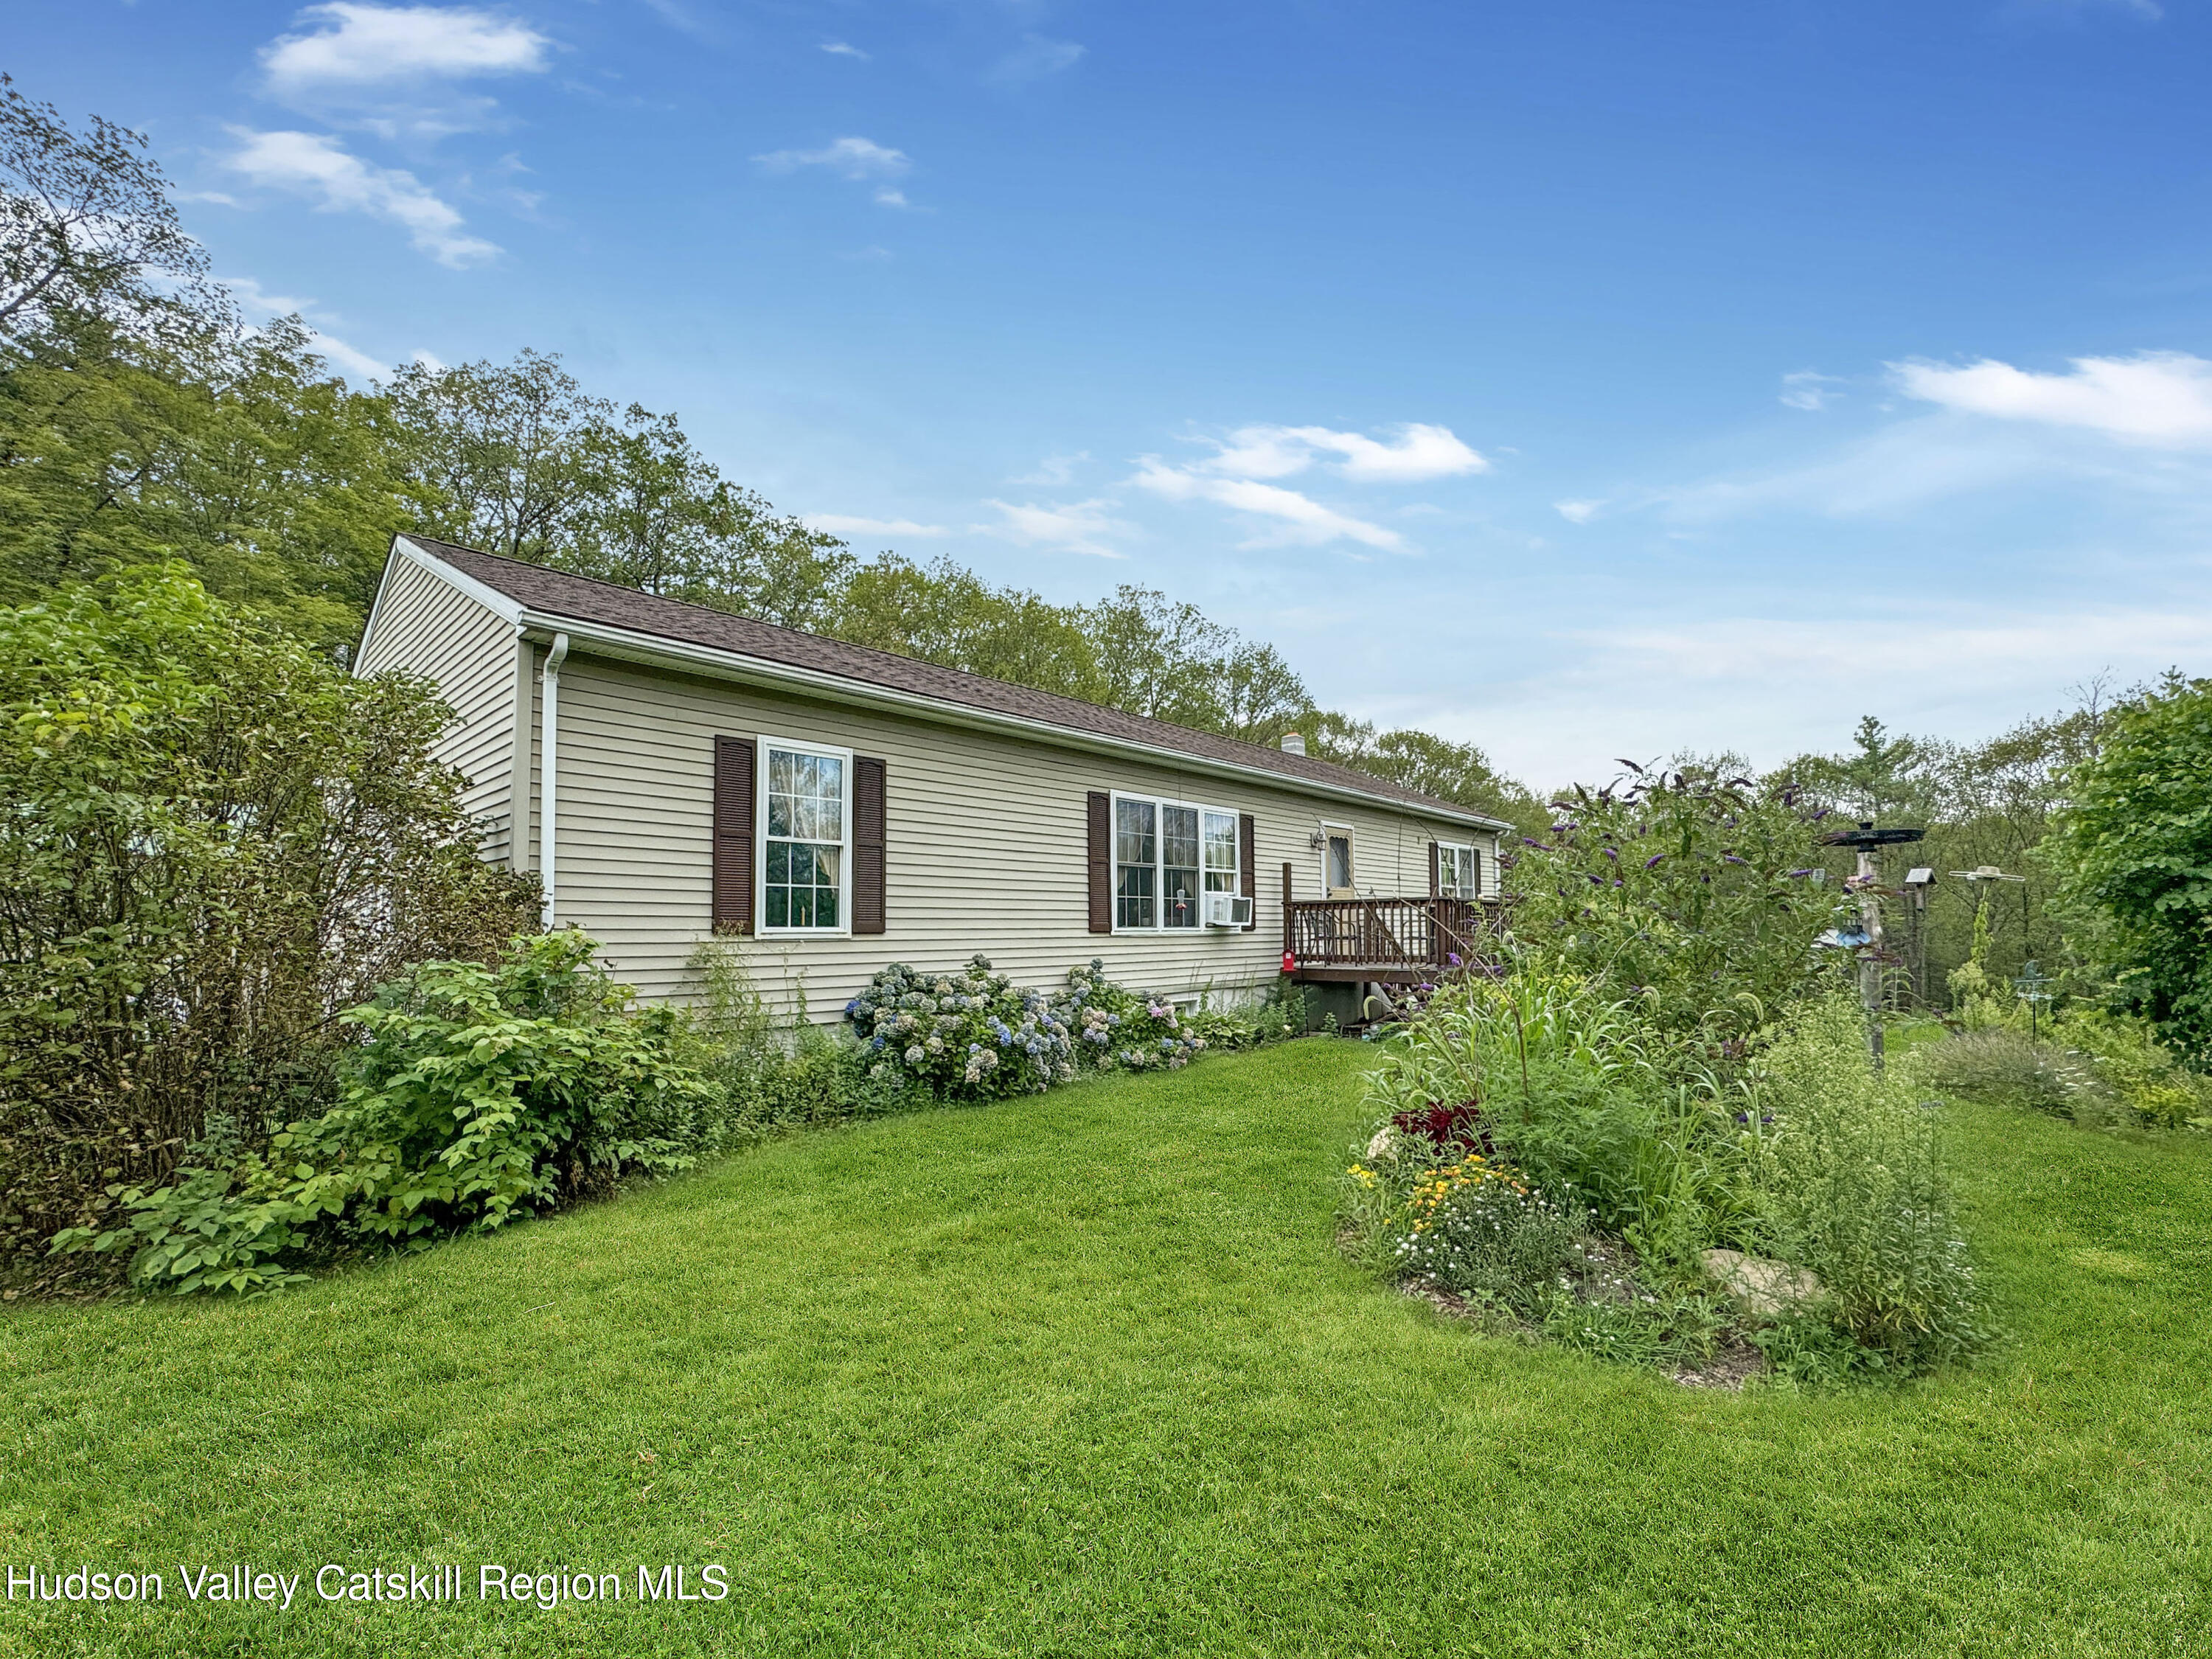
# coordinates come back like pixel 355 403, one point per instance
pixel 548 751
pixel 1294 743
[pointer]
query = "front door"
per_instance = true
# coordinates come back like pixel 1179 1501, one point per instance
pixel 1336 864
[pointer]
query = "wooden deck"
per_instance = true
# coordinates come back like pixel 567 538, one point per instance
pixel 1385 941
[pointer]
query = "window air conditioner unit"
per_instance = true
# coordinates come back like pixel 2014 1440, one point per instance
pixel 1228 910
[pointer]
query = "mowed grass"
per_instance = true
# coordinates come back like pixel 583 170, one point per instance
pixel 1083 1375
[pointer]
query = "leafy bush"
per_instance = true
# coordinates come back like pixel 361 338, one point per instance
pixel 2132 848
pixel 2131 1062
pixel 1851 1186
pixel 970 1035
pixel 2098 1069
pixel 480 1094
pixel 213 840
pixel 773 1078
pixel 1696 895
pixel 1113 1029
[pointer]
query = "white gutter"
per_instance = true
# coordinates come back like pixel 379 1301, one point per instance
pixel 549 743
pixel 661 652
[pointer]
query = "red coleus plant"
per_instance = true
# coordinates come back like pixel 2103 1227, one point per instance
pixel 1462 1126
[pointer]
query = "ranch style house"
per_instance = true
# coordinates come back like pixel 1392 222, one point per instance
pixel 672 773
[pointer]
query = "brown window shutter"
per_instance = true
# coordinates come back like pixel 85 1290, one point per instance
pixel 733 835
pixel 1436 870
pixel 1248 868
pixel 868 779
pixel 1475 869
pixel 1101 862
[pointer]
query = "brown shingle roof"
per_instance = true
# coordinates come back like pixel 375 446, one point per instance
pixel 586 599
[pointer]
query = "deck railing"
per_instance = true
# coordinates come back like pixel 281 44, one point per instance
pixel 1387 933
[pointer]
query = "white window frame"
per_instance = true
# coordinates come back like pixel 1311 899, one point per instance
pixel 1467 849
pixel 1159 803
pixel 1352 844
pixel 828 751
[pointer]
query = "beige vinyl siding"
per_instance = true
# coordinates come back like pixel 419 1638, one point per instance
pixel 427 627
pixel 986 846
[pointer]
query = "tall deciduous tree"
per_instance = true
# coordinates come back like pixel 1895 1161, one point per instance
pixel 2133 853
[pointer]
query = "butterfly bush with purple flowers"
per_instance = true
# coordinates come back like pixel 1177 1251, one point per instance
pixel 1693 895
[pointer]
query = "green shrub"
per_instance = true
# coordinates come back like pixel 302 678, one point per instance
pixel 1112 1029
pixel 1851 1186
pixel 2129 1060
pixel 1695 896
pixel 478 1096
pixel 969 1036
pixel 212 842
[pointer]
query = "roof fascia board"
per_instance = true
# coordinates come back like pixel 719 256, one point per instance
pixel 657 651
pixel 507 610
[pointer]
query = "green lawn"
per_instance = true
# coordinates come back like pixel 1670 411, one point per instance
pixel 1081 1375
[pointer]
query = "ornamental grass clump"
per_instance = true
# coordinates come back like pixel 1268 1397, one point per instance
pixel 968 1035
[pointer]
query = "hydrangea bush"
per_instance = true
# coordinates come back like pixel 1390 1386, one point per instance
pixel 1115 1029
pixel 970 1035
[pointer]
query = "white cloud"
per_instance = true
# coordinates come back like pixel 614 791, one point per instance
pixel 1809 391
pixel 254 300
pixel 840 49
pixel 1055 471
pixel 1301 518
pixel 1075 527
pixel 858 159
pixel 320 169
pixel 2158 397
pixel 1036 57
pixel 848 158
pixel 1578 512
pixel 355 44
pixel 1419 452
pixel 837 523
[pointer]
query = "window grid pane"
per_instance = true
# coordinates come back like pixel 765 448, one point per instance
pixel 805 852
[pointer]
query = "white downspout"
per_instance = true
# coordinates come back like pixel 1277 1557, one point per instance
pixel 548 743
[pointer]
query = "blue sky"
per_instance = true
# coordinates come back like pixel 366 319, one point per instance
pixel 1585 379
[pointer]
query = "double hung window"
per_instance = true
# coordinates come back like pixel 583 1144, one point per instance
pixel 1459 871
pixel 1168 855
pixel 807 818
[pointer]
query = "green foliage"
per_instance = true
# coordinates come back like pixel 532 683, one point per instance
pixel 2002 1067
pixel 969 1036
pixel 1851 1185
pixel 1806 1152
pixel 1982 804
pixel 1113 1029
pixel 2095 1069
pixel 2134 854
pixel 1475 1227
pixel 1691 893
pixel 215 840
pixel 477 1095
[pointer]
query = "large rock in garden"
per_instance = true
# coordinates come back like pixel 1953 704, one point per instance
pixel 1761 1287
